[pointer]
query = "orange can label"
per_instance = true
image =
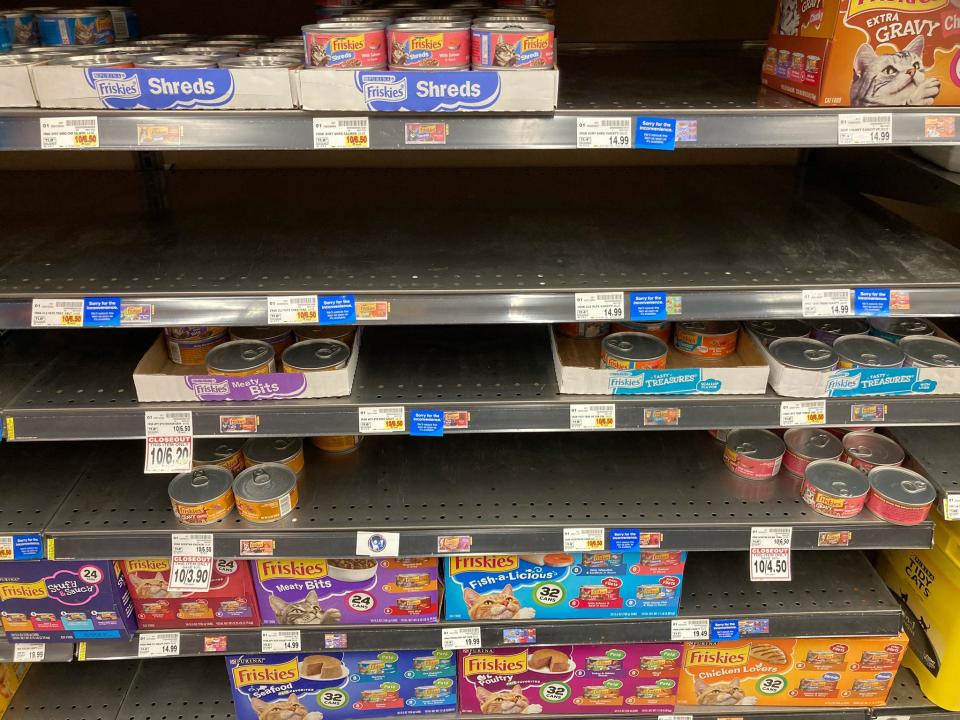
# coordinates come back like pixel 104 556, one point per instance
pixel 268 510
pixel 204 513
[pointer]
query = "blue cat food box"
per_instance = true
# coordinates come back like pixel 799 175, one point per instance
pixel 58 601
pixel 339 685
pixel 564 585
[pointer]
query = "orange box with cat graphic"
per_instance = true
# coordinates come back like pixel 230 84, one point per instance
pixel 828 672
pixel 230 602
pixel 866 53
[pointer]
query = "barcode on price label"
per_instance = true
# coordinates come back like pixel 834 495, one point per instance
pixel 770 553
pixel 382 419
pixel 599 306
pixel 951 506
pixel 583 539
pixel 162 644
pixel 279 641
pixel 191 562
pixel 603 133
pixel 827 303
pixel 292 309
pixel 69 133
pixel 169 441
pixel 689 629
pixel 29 652
pixel 593 417
pixel 803 412
pixel 341 133
pixel 465 638
pixel 56 313
pixel 863 129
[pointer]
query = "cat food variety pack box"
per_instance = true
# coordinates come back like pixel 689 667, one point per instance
pixel 340 685
pixel 866 53
pixel 563 585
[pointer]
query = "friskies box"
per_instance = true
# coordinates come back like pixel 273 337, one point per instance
pixel 866 53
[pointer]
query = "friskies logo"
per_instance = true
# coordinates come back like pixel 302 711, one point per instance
pixel 862 6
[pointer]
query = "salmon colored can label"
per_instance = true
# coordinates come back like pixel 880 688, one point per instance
pixel 531 50
pixel 430 50
pixel 896 513
pixel 751 468
pixel 615 363
pixel 341 50
pixel 831 505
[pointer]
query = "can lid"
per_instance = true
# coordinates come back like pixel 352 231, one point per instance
pixel 272 450
pixel 813 443
pixel 841 326
pixel 278 61
pixel 902 486
pixel 405 25
pixel 186 61
pixel 239 355
pixel 868 350
pixel 337 332
pixel 756 444
pixel 202 484
pixel 93 59
pixel 932 351
pixel 265 333
pixel 780 328
pixel 264 482
pixel 634 346
pixel 873 448
pixel 836 478
pixel 710 327
pixel 343 27
pixel 803 354
pixel 215 449
pixel 321 354
pixel 903 326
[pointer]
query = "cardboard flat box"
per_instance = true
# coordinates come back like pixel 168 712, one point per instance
pixel 16 87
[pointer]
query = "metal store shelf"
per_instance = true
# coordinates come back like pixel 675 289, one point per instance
pixel 504 377
pixel 907 699
pixel 52 652
pixel 511 493
pixel 715 86
pixel 931 453
pixel 745 253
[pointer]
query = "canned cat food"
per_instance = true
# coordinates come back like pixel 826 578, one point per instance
pixel 754 454
pixel 345 46
pixel 284 51
pixel 413 580
pixel 209 50
pixel 632 351
pixel 811 72
pixel 900 496
pixel 655 592
pixel 95 60
pixel 827 331
pixel 867 450
pixel 202 496
pixel 584 329
pixel 834 489
pixel 806 445
pixel 190 345
pixel 241 357
pixel 869 686
pixel 428 692
pixel 818 686
pixel 126 22
pixel 600 692
pixel 709 340
pixel 180 61
pixel 652 692
pixel 261 61
pixel 656 662
pixel 769 330
pixel 265 493
pixel 878 659
pixel 75 27
pixel 512 45
pixel 282 451
pixel 602 663
pixel 597 592
pixel 930 352
pixel 426 662
pixel 343 333
pixel 315 356
pixel 896 329
pixel 178 38
pixel 279 338
pixel 803 354
pixel 826 659
pixel 429 45
pixel 371 667
pixel 662 330
pixel 21 27
pixel 337 444
pixel 222 452
pixel 865 351
pixel 243 38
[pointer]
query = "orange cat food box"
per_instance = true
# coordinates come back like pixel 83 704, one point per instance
pixel 230 602
pixel 830 672
pixel 866 53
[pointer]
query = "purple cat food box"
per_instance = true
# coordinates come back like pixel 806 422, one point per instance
pixel 349 591
pixel 341 685
pixel 570 680
pixel 57 601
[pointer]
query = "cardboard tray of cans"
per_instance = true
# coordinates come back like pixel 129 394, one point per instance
pixel 158 379
pixel 577 363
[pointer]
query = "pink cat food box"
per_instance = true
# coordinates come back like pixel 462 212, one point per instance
pixel 58 601
pixel 564 585
pixel 570 680
pixel 230 601
pixel 349 591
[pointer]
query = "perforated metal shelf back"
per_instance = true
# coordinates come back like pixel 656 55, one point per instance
pixel 72 691
pixel 185 689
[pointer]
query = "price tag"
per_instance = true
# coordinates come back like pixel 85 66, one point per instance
pixel 29 652
pixel 827 303
pixel 865 129
pixel 593 417
pixel 191 563
pixel 803 412
pixel 603 133
pixel 674 717
pixel 57 313
pixel 158 644
pixel 69 133
pixel 6 547
pixel 279 641
pixel 378 544
pixel 382 419
pixel 292 309
pixel 460 638
pixel 951 506
pixel 583 539
pixel 770 553
pixel 599 306
pixel 689 629
pixel 341 133
pixel 169 441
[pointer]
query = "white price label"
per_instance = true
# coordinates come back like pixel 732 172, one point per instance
pixel 674 717
pixel 689 629
pixel 770 553
pixel 292 310
pixel 599 306
pixel 341 133
pixel 159 644
pixel 603 133
pixel 593 417
pixel 803 412
pixel 6 547
pixel 29 652
pixel 57 313
pixel 865 129
pixel 191 562
pixel 382 419
pixel 951 506
pixel 583 539
pixel 378 544
pixel 279 641
pixel 169 441
pixel 460 638
pixel 69 133
pixel 827 303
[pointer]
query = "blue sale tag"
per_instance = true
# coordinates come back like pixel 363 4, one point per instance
pixel 101 312
pixel 337 309
pixel 871 301
pixel 426 423
pixel 624 539
pixel 27 547
pixel 648 306
pixel 656 133
pixel 721 630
